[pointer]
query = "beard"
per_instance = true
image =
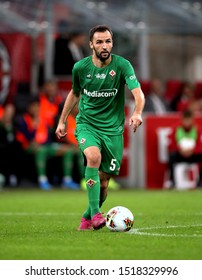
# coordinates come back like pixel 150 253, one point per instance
pixel 102 56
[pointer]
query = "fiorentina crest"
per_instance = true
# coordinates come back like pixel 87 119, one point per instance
pixel 91 183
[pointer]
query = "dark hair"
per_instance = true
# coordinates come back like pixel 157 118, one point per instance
pixel 187 113
pixel 99 28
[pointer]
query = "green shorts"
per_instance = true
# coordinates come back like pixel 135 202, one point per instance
pixel 111 147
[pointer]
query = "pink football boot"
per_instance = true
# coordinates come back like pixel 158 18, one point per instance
pixel 98 221
pixel 85 224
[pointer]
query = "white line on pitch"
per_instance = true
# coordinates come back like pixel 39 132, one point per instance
pixel 44 214
pixel 143 231
pixel 36 214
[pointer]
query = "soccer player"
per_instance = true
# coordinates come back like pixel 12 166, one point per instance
pixel 98 83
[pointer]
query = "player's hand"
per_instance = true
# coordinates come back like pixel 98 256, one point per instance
pixel 135 121
pixel 61 130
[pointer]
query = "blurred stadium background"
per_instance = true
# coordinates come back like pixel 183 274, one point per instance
pixel 162 39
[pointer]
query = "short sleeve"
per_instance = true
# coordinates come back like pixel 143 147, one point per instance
pixel 129 75
pixel 75 79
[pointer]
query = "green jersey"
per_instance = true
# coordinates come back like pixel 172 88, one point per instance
pixel 181 134
pixel 102 90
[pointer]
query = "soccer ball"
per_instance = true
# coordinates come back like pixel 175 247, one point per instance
pixel 119 218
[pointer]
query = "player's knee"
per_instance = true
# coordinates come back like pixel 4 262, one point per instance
pixel 93 156
pixel 94 159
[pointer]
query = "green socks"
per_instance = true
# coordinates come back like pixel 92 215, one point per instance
pixel 93 189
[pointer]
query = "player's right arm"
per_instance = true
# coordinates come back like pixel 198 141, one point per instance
pixel 70 102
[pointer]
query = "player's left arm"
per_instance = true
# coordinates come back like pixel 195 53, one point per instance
pixel 136 119
pixel 134 86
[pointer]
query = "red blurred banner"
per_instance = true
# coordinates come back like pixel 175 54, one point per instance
pixel 157 129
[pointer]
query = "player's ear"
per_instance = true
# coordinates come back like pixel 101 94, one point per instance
pixel 91 44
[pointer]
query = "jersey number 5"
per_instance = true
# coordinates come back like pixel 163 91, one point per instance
pixel 113 164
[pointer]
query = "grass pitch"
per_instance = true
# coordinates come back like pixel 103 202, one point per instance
pixel 37 225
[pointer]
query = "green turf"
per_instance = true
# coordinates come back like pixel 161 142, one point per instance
pixel 42 225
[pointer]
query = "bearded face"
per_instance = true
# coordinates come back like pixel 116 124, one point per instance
pixel 102 55
pixel 101 45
